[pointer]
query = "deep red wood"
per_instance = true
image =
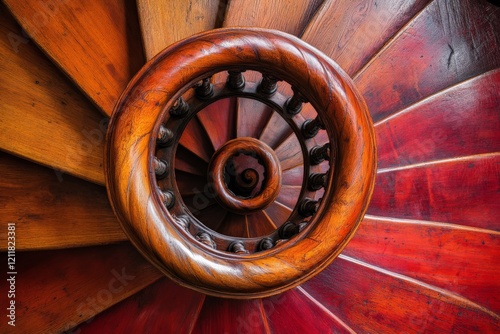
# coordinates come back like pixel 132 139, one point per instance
pixel 278 213
pixel 162 307
pixel 212 216
pixel 56 290
pixel 461 260
pixel 189 184
pixel 195 139
pixel 259 224
pixel 294 312
pixel 358 29
pixel 290 153
pixel 289 195
pixel 234 225
pixel 463 191
pixel 231 316
pixel 219 121
pixel 372 300
pixel 189 162
pixel 252 117
pixel 460 121
pixel 450 41
pixel 293 176
pixel 275 131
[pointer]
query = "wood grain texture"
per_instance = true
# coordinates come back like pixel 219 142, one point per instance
pixel 43 117
pixel 448 42
pixel 372 299
pixel 251 118
pixel 195 139
pixel 51 212
pixel 219 121
pixel 459 121
pixel 60 289
pixel 162 307
pixel 356 30
pixel 259 224
pixel 166 22
pixel 285 15
pixel 458 259
pixel 97 43
pixel 459 191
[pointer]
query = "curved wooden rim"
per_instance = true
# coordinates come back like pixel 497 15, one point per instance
pixel 131 181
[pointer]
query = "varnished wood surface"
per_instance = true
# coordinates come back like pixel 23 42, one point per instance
pixel 56 290
pixel 96 43
pixel 461 191
pixel 219 121
pixel 166 22
pixel 448 42
pixel 53 211
pixel 43 117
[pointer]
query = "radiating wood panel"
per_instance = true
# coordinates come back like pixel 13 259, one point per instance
pixel 97 43
pixel 278 213
pixel 259 224
pixel 356 30
pixel 211 216
pixel 293 176
pixel 275 131
pixel 290 153
pixel 195 139
pixel 188 162
pixel 231 316
pixel 163 307
pixel 371 299
pixel 296 311
pixel 234 225
pixel 449 42
pixel 461 191
pixel 51 212
pixel 290 16
pixel 288 195
pixel 219 121
pixel 59 289
pixel 166 22
pixel 461 260
pixel 43 117
pixel 462 120
pixel 189 184
pixel 252 116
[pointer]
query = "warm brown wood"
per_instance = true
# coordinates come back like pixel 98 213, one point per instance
pixel 357 29
pixel 166 22
pixel 97 43
pixel 56 290
pixel 218 120
pixel 259 224
pixel 43 118
pixel 276 131
pixel 285 15
pixel 52 211
pixel 271 184
pixel 195 139
pixel 155 231
pixel 252 116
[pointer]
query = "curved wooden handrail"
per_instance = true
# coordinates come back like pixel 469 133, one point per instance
pixel 142 187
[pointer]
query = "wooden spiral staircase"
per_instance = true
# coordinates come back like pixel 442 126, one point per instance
pixel 217 134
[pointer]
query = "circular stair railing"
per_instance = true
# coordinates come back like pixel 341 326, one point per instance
pixel 147 125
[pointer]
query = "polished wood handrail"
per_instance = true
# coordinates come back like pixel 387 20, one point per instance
pixel 152 113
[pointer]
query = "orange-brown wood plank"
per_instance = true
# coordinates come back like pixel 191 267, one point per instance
pixel 259 224
pixel 234 225
pixel 290 153
pixel 219 121
pixel 285 15
pixel 462 120
pixel 195 139
pixel 461 260
pixel 289 195
pixel 448 42
pixel 43 117
pixel 166 22
pixel 372 299
pixel 459 191
pixel 56 290
pixel 163 307
pixel 51 210
pixel 351 32
pixel 97 43
pixel 231 316
pixel 278 213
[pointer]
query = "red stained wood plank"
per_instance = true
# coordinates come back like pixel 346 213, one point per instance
pixel 252 117
pixel 59 289
pixel 296 311
pixel 293 176
pixel 276 131
pixel 285 15
pixel 51 210
pixel 288 195
pixel 234 225
pixel 460 121
pixel 278 213
pixel 163 307
pixel 461 191
pixel 259 224
pixel 231 316
pixel 211 216
pixel 96 43
pixel 190 184
pixel 290 153
pixel 188 162
pixel 357 29
pixel 219 121
pixel 449 42
pixel 195 139
pixel 461 260
pixel 370 299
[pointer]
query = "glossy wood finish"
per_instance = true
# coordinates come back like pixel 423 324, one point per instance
pixel 448 42
pixel 46 206
pixel 74 285
pixel 459 191
pixel 43 117
pixel 358 29
pixel 166 22
pixel 96 43
pixel 459 121
pixel 153 229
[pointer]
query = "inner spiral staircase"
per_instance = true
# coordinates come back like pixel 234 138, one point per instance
pixel 425 258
